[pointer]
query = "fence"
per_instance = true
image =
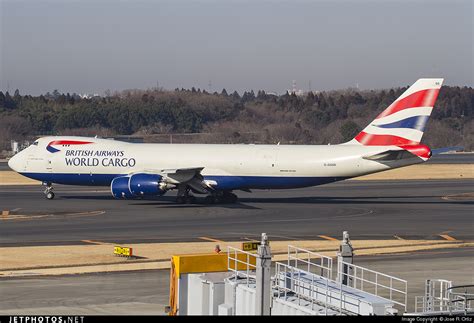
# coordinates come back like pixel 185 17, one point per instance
pixel 242 263
pixel 379 284
pixel 298 255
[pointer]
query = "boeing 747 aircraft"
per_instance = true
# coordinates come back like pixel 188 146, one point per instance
pixel 137 170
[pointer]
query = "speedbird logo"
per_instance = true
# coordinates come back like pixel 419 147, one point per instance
pixel 64 143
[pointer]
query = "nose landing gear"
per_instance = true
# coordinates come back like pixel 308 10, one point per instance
pixel 48 192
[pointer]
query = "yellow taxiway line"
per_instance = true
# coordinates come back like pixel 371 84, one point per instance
pixel 446 237
pixel 210 239
pixel 328 238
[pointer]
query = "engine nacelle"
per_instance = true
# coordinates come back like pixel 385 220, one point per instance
pixel 120 188
pixel 136 185
pixel 147 185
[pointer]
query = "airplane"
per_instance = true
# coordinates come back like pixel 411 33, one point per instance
pixel 139 170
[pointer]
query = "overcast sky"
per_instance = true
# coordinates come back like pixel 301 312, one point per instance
pixel 92 46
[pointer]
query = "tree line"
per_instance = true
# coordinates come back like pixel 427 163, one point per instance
pixel 314 118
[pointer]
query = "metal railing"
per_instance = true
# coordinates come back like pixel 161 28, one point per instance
pixel 461 297
pixel 373 282
pixel 456 304
pixel 442 297
pixel 289 282
pixel 436 294
pixel 241 264
pixel 314 262
pixel 430 304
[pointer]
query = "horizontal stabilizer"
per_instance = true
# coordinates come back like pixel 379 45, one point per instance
pixel 446 150
pixel 389 155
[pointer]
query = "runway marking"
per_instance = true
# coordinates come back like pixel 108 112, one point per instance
pixel 210 239
pixel 6 213
pixel 328 238
pixel 469 196
pixel 366 212
pixel 397 237
pixel 248 239
pixel 63 192
pixel 22 217
pixel 446 237
pixel 97 242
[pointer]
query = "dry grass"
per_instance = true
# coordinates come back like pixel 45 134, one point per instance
pixel 55 260
pixel 425 171
pixel 12 178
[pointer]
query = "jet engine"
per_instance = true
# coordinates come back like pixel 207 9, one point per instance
pixel 120 187
pixel 147 185
pixel 138 185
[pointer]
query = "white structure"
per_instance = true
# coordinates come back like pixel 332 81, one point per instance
pixel 443 298
pixel 15 147
pixel 301 286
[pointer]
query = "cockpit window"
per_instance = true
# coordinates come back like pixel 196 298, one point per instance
pixel 35 143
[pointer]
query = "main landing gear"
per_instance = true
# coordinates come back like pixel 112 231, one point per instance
pixel 48 192
pixel 225 197
pixel 218 197
pixel 184 196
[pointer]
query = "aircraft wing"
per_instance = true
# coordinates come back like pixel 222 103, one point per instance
pixel 185 176
pixel 181 175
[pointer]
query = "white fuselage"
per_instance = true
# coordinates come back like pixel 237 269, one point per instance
pixel 238 166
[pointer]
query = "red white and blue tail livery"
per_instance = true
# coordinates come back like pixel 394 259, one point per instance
pixel 135 170
pixel 404 121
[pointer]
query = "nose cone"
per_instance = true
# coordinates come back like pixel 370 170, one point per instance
pixel 15 163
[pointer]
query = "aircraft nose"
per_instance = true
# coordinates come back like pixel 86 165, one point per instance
pixel 15 163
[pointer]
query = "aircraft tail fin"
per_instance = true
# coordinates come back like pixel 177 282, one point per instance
pixel 404 121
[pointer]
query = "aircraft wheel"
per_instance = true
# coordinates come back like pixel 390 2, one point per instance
pixel 50 195
pixel 228 198
pixel 209 199
pixel 232 198
pixel 190 199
